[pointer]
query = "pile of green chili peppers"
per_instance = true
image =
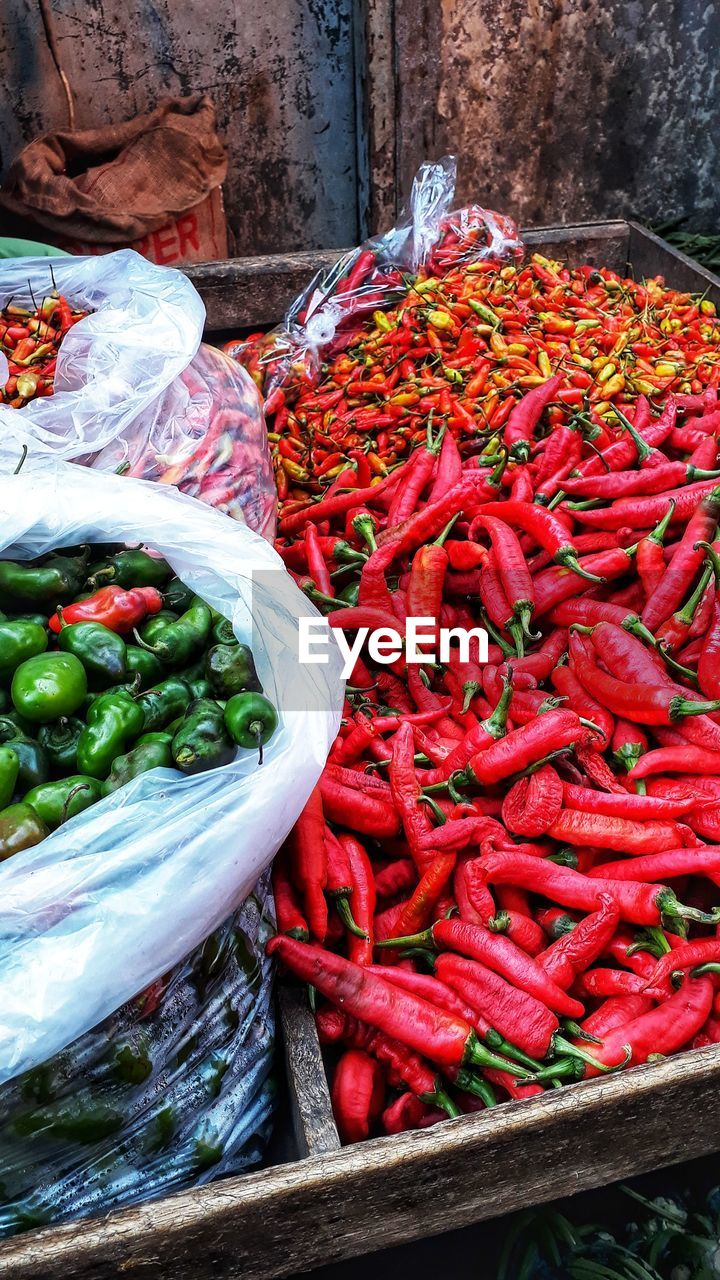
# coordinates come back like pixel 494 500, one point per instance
pixel 85 711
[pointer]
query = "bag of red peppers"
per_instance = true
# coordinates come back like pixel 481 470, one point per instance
pixel 324 319
pixel 105 367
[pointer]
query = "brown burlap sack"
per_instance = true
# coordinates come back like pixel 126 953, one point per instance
pixel 99 189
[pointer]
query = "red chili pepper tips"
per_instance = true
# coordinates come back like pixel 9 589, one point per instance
pixel 502 840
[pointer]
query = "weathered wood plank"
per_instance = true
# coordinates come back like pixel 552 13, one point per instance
pixel 310 1108
pixel 249 292
pixel 282 1220
pixel 649 255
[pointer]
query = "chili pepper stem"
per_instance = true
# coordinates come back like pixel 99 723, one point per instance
pixel 470 1083
pixel 493 1040
pixel 477 1055
pixel 439 1098
pixel 668 905
pixel 344 911
pixel 574 1029
pixel 568 559
pixel 565 1049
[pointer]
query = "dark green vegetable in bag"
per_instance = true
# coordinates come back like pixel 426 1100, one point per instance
pixel 59 741
pixel 19 640
pixel 164 703
pixel 202 742
pixel 113 720
pixel 131 568
pixel 152 751
pixel 181 642
pixel 102 652
pixel 57 802
pixel 20 828
pixel 230 669
pixel 58 578
pixel 49 686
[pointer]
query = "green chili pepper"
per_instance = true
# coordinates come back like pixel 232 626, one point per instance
pixel 59 741
pixel 20 640
pixel 152 751
pixel 230 669
pixel 20 828
pixel 164 703
pixel 102 652
pixel 11 724
pixel 350 593
pixel 113 720
pixel 133 568
pixel 202 741
pixel 9 770
pixel 140 662
pixel 58 578
pixel 251 720
pixel 4 700
pixel 78 1119
pixel 32 760
pixel 153 627
pixel 177 596
pixel 197 681
pixel 222 632
pixel 57 802
pixel 49 686
pixel 180 642
pixel 40 619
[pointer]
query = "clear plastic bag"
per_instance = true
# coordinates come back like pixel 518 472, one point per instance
pixel 174 1089
pixel 115 898
pixel 324 318
pixel 135 390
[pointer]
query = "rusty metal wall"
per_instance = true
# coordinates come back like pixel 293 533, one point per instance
pixel 561 109
pixel 281 76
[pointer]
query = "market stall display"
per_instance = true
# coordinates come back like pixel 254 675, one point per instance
pixel 135 1015
pixel 534 450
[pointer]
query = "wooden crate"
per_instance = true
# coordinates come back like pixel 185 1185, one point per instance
pixel 326 1203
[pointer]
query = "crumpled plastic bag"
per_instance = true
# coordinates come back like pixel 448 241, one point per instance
pixel 135 390
pixel 324 317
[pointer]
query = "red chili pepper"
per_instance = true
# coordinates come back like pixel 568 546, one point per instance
pixel 688 956
pixel 578 700
pixel 574 952
pixel 501 955
pixel 116 609
pixel 599 984
pixel 669 864
pixel 309 863
pixel 638 903
pixel 366 813
pixel 661 1030
pixel 442 1037
pixel 525 416
pixel 360 950
pixel 357 1095
pixel 685 562
pixel 603 831
pixel 290 918
pixel 524 747
pixel 546 529
pixel 519 1017
pixel 532 804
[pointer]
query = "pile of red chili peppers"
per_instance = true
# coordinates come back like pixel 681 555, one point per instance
pixel 508 875
pixel 30 340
